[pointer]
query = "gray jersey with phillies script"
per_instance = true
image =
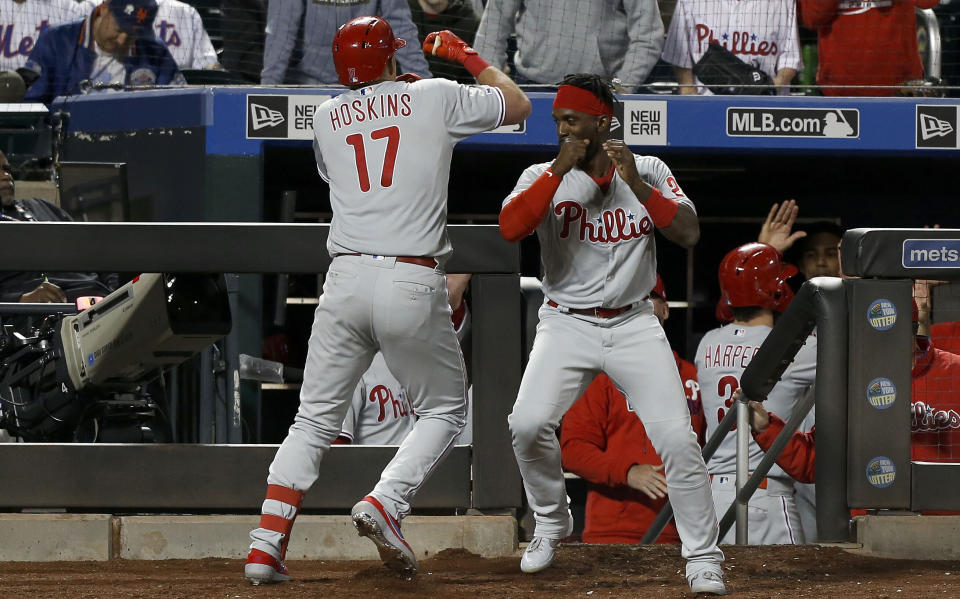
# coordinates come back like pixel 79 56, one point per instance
pixel 597 248
pixel 385 150
pixel 380 413
pixel 722 356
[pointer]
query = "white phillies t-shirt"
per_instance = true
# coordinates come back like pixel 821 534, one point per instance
pixel 385 150
pixel 722 356
pixel 597 248
pixel 761 33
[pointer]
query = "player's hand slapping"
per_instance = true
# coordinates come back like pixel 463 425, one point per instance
pixel 648 479
pixel 572 151
pixel 777 230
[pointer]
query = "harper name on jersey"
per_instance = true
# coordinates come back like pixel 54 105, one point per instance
pixel 725 355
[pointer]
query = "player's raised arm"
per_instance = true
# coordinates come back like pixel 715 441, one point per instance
pixel 677 221
pixel 447 45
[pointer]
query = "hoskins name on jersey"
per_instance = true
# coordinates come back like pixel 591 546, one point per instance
pixel 609 227
pixel 723 355
pixel 370 109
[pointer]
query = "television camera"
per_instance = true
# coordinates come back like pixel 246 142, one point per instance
pixel 86 376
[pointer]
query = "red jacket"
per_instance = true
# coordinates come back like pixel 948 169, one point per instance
pixel 864 43
pixel 946 336
pixel 934 425
pixel 600 440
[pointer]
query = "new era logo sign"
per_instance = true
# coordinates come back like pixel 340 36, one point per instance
pixel 267 117
pixel 937 126
pixel 261 117
pixel 931 126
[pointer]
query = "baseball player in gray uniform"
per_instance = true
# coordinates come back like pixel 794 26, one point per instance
pixel 385 147
pixel 753 283
pixel 380 412
pixel 594 209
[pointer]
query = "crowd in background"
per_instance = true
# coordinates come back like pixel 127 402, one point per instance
pixel 671 46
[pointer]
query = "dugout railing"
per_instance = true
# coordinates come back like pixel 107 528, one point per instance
pixel 864 336
pixel 232 476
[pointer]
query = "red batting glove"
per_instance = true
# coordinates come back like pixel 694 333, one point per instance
pixel 447 45
pixel 408 77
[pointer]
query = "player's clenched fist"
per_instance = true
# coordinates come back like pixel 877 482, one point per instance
pixel 446 44
pixel 623 159
pixel 572 151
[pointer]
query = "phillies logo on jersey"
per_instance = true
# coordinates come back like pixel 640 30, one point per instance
pixel 742 42
pixel 25 46
pixel 384 396
pixel 610 226
pixel 927 418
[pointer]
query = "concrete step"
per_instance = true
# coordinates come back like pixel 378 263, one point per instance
pixel 910 536
pixel 68 537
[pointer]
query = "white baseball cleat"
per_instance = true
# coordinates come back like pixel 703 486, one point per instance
pixel 373 522
pixel 707 581
pixel 538 555
pixel 263 568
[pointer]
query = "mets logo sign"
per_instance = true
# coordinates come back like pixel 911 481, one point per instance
pixel 882 314
pixel 881 472
pixel 881 393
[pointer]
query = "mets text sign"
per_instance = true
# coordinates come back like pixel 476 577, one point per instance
pixel 835 123
pixel 931 253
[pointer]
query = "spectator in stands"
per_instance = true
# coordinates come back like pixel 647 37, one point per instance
pixel 37 286
pixel 761 33
pixel 436 15
pixel 113 47
pixel 319 22
pixel 865 43
pixel 616 40
pixel 180 28
pixel 25 20
pixel 604 442
pixel 244 22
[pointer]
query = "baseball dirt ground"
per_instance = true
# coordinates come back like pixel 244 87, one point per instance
pixel 580 571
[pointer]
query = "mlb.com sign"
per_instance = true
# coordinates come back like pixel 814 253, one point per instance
pixel 282 116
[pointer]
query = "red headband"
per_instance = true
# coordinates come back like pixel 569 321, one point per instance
pixel 579 99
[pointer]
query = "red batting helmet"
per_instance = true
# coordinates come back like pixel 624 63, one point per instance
pixel 753 275
pixel 361 49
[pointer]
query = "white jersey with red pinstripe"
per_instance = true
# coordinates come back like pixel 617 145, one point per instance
pixel 762 33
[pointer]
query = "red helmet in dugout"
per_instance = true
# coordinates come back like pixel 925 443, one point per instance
pixel 362 48
pixel 753 275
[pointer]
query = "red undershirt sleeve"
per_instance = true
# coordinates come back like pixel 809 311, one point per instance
pixel 526 210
